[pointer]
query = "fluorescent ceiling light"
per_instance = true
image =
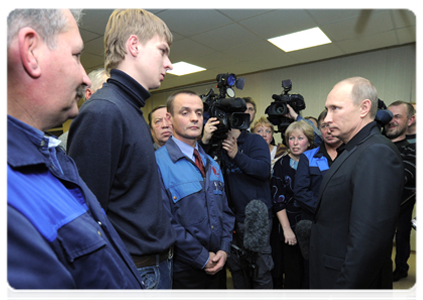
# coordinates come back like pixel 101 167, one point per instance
pixel 183 68
pixel 301 40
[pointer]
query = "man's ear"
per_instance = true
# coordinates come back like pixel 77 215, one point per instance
pixel 365 107
pixel 411 121
pixel 88 93
pixel 132 45
pixel 29 43
pixel 169 117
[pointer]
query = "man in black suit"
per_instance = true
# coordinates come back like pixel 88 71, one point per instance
pixel 360 196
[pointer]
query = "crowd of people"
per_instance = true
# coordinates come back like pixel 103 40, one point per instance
pixel 126 204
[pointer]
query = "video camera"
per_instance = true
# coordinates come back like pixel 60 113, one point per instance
pixel 229 111
pixel 277 109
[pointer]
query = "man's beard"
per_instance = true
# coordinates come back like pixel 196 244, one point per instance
pixel 395 133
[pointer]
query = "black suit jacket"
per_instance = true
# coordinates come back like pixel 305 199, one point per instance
pixel 358 206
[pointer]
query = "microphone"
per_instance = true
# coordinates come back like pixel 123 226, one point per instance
pixel 383 116
pixel 303 230
pixel 256 223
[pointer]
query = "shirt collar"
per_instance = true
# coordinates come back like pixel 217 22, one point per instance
pixel 186 149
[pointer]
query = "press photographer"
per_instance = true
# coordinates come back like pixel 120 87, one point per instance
pixel 245 161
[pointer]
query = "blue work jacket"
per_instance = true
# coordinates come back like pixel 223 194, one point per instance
pixel 58 235
pixel 197 206
pixel 310 171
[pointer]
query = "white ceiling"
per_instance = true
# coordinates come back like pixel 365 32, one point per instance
pixel 235 40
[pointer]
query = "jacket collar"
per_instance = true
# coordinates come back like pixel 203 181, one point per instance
pixel 24 144
pixel 176 154
pixel 136 92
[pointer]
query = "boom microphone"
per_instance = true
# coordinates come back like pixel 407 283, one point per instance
pixel 383 116
pixel 256 223
pixel 303 230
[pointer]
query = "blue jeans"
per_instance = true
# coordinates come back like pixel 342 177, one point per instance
pixel 158 276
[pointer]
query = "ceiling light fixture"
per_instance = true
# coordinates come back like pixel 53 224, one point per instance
pixel 183 68
pixel 301 40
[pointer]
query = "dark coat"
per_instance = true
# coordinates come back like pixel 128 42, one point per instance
pixel 358 206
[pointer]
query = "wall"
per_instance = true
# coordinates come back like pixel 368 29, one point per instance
pixel 392 71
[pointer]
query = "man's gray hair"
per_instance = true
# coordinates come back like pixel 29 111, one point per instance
pixel 48 23
pixel 97 77
pixel 363 89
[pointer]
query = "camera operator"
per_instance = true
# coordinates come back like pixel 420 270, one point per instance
pixel 403 116
pixel 245 160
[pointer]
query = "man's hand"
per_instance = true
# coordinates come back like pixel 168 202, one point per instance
pixel 292 114
pixel 209 128
pixel 216 262
pixel 231 146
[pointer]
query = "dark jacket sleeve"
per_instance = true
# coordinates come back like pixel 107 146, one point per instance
pixel 257 162
pixel 305 197
pixel 97 127
pixel 374 213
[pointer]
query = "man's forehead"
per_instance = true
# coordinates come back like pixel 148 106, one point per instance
pixel 160 112
pixel 397 108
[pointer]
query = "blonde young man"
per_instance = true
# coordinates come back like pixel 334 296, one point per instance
pixel 110 141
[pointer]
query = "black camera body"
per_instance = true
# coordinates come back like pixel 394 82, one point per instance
pixel 229 111
pixel 277 109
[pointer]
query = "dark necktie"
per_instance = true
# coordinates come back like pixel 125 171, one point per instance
pixel 199 162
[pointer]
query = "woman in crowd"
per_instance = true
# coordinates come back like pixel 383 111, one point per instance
pixel 264 128
pixel 300 137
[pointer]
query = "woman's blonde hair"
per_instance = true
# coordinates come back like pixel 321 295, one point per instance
pixel 262 121
pixel 126 22
pixel 305 127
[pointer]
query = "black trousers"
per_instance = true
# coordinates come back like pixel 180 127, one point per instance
pixel 402 235
pixel 198 279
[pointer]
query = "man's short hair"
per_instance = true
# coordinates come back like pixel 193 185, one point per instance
pixel 250 100
pixel 410 108
pixel 48 23
pixel 172 98
pixel 363 89
pixel 305 127
pixel 151 113
pixel 321 117
pixel 126 22
pixel 415 103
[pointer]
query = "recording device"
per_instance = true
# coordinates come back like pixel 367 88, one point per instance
pixel 415 223
pixel 229 111
pixel 277 109
pixel 256 223
pixel 303 231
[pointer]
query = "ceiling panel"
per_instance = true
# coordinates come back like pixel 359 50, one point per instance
pixel 279 22
pixel 199 21
pixel 235 40
pixel 226 37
